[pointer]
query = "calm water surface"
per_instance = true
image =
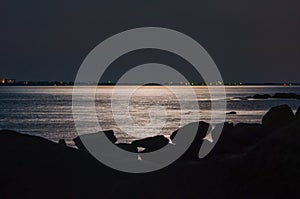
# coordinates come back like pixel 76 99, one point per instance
pixel 47 111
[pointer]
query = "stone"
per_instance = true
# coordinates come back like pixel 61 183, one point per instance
pixel 93 137
pixel 151 143
pixel 127 147
pixel 279 115
pixel 62 142
pixel 191 154
pixel 231 113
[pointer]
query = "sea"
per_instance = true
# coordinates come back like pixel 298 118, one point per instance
pixel 47 111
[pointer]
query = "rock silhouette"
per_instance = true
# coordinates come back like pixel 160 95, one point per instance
pixel 128 147
pixel 62 142
pixel 93 137
pixel 276 95
pixel 192 152
pixel 231 113
pixel 297 116
pixel 151 143
pixel 279 115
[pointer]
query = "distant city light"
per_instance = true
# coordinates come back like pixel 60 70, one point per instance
pixel 8 81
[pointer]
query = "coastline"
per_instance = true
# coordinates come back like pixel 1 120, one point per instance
pixel 249 161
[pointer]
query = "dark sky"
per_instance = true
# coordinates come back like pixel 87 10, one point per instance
pixel 250 41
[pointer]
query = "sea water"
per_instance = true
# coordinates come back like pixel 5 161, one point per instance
pixel 47 111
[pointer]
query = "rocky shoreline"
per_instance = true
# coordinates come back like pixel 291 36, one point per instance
pixel 268 96
pixel 248 161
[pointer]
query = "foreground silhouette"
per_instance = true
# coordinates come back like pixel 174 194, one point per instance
pixel 249 161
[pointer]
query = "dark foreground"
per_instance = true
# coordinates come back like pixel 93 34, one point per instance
pixel 249 161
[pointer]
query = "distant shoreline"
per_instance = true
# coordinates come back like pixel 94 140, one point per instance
pixel 14 82
pixel 87 84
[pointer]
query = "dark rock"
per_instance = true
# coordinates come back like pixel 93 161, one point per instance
pixel 238 139
pixel 202 126
pixel 31 164
pixel 241 98
pixel 259 96
pixel 151 143
pixel 152 84
pixel 93 136
pixel 78 143
pixel 111 136
pixel 277 95
pixel 191 154
pixel 286 96
pixel 297 116
pixel 62 142
pixel 274 161
pixel 127 147
pixel 279 115
pixel 231 113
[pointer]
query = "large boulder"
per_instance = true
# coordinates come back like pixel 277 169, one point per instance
pixel 238 139
pixel 278 116
pixel 192 153
pixel 151 143
pixel 266 167
pixel 127 147
pixel 94 137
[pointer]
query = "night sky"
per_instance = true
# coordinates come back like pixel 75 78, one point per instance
pixel 250 41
